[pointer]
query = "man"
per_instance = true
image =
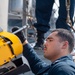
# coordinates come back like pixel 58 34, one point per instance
pixel 57 48
pixel 43 14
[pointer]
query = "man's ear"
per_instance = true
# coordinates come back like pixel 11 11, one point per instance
pixel 65 44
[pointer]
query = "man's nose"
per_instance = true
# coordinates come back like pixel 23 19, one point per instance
pixel 45 42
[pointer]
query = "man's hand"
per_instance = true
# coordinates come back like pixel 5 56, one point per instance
pixel 19 34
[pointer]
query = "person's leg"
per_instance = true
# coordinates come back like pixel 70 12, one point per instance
pixel 61 21
pixel 43 13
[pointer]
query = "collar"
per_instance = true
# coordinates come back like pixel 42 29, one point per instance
pixel 68 57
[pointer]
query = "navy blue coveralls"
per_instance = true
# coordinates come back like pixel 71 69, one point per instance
pixel 62 66
pixel 43 14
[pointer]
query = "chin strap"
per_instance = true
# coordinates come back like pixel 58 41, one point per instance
pixel 68 20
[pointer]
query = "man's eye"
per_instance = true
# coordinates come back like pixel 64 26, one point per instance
pixel 50 40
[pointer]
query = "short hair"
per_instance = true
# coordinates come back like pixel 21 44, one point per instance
pixel 66 35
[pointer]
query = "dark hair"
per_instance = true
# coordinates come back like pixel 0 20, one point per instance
pixel 66 35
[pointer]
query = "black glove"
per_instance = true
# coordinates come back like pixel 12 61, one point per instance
pixel 19 34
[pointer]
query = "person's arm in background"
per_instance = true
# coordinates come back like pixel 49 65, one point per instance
pixel 34 60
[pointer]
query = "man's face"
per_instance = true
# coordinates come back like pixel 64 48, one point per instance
pixel 52 46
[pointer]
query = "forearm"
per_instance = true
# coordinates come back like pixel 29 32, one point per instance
pixel 35 62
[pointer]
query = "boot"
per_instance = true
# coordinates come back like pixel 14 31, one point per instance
pixel 40 41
